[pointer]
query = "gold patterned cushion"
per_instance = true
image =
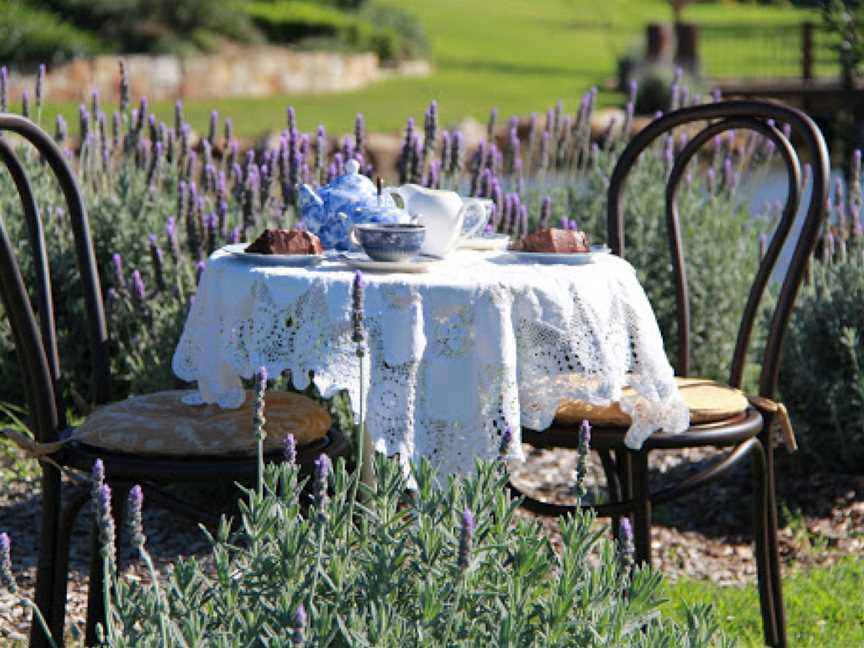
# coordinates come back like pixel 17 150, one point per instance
pixel 708 401
pixel 161 423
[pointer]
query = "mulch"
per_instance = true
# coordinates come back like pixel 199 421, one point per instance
pixel 705 536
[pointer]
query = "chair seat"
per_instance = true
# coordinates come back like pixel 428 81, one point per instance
pixel 707 400
pixel 161 424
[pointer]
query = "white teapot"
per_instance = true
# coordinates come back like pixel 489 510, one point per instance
pixel 447 216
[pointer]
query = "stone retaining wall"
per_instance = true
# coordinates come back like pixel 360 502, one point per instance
pixel 236 72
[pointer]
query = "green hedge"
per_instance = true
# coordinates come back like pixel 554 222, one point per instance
pixel 299 22
pixel 28 35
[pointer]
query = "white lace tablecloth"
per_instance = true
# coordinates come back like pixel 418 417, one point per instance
pixel 479 341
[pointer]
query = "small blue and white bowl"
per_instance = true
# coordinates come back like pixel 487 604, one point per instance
pixel 395 242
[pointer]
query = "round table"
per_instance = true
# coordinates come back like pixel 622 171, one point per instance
pixel 480 342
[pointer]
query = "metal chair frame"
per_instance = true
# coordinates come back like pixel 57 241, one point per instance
pixel 748 435
pixel 39 361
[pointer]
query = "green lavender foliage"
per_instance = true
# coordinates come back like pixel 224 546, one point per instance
pixel 392 576
pixel 824 391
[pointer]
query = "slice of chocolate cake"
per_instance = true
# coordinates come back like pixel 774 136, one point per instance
pixel 281 241
pixel 556 241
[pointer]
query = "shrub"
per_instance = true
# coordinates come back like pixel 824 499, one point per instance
pixel 175 27
pixel 28 34
pixel 307 23
pixel 448 566
pixel 824 390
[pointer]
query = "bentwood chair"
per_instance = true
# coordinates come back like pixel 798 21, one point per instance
pixel 720 415
pixel 39 362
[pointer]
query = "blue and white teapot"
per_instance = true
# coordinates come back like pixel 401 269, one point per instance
pixel 332 212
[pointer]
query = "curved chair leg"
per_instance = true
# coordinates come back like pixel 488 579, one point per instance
pixel 51 488
pixel 775 571
pixel 57 620
pixel 642 508
pixel 760 534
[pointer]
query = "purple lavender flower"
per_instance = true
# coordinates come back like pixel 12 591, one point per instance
pixel 156 258
pixel 490 127
pixel 212 127
pixel 357 304
pixel 4 89
pixel 7 576
pixel 298 638
pixel 466 538
pixel 291 118
pixel 584 436
pixel 60 130
pixel 124 88
pixel 359 132
pixel 40 86
pixel 485 183
pixel 289 452
pixel 199 270
pixel 25 104
pixel 712 180
pixel 105 522
pixel 572 225
pixel 626 549
pixel 445 151
pixel 523 220
pixel 322 472
pixel 138 289
pixel 236 234
pixel 117 264
pixel 430 127
pixel 545 212
pixel 134 518
pixel 457 155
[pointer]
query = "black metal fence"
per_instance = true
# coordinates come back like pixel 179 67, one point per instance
pixel 803 51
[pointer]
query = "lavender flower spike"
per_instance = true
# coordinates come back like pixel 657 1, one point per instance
pixel 117 263
pixel 138 289
pixel 135 524
pixel 626 549
pixel 7 576
pixel 298 638
pixel 357 304
pixel 506 442
pixel 4 92
pixel 106 524
pixel 466 538
pixel 40 86
pixel 322 472
pixel 289 452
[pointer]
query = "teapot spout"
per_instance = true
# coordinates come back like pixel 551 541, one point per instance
pixel 309 197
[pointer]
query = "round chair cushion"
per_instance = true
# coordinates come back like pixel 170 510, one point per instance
pixel 708 401
pixel 161 424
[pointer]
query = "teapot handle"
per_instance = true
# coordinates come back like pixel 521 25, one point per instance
pixel 475 215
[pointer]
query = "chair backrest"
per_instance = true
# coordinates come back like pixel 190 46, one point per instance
pixel 36 344
pixel 761 117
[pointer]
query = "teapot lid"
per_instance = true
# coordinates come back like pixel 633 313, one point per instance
pixel 353 180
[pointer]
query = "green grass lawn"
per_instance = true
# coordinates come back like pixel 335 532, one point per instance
pixel 517 55
pixel 824 606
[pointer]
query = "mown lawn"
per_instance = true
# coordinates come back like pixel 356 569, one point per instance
pixel 824 606
pixel 518 55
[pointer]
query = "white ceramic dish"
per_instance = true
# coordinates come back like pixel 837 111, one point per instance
pixel 571 258
pixel 361 261
pixel 485 243
pixel 286 260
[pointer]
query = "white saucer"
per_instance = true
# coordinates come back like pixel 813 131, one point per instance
pixel 570 258
pixel 485 242
pixel 361 261
pixel 287 260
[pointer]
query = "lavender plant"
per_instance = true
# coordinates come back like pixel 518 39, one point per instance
pixel 453 566
pixel 824 391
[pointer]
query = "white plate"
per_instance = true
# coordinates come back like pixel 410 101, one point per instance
pixel 485 242
pixel 288 260
pixel 361 261
pixel 570 258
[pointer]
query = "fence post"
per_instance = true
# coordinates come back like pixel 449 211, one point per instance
pixel 807 51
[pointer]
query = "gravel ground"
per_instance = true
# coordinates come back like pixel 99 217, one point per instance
pixel 703 536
